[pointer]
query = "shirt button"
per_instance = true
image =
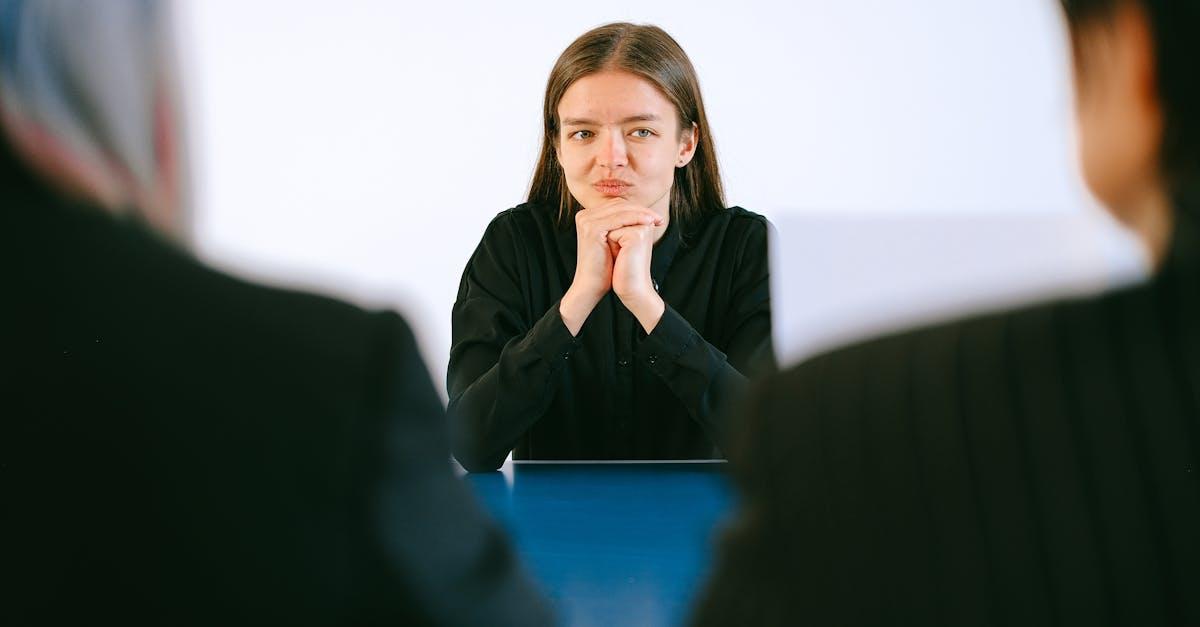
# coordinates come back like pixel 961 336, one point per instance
pixel 622 362
pixel 566 355
pixel 655 284
pixel 653 359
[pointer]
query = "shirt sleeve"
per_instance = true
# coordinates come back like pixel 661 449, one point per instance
pixel 432 542
pixel 496 347
pixel 702 376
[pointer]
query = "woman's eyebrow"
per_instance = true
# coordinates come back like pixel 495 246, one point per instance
pixel 641 117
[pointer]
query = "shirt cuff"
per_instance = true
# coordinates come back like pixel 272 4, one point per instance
pixel 671 338
pixel 552 340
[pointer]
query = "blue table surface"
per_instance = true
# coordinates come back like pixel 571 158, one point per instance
pixel 612 543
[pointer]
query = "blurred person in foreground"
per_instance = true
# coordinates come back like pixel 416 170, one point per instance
pixel 1031 467
pixel 180 447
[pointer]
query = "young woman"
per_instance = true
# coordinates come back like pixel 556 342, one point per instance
pixel 610 315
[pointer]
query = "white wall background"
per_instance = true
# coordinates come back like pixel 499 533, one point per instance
pixel 361 147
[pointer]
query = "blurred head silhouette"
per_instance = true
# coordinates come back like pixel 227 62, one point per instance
pixel 88 98
pixel 1138 107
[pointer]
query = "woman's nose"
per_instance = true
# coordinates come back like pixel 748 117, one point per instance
pixel 612 151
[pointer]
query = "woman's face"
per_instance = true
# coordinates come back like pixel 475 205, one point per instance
pixel 619 137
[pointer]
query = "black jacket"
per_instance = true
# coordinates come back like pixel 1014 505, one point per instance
pixel 1035 467
pixel 519 382
pixel 180 447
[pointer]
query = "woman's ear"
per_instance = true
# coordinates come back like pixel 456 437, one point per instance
pixel 687 146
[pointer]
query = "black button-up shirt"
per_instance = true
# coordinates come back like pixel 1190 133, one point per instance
pixel 518 381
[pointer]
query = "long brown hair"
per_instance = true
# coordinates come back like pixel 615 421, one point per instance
pixel 649 52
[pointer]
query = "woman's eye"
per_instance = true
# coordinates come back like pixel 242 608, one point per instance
pixel 582 135
pixel 643 133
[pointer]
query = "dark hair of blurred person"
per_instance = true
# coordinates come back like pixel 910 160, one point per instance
pixel 1031 467
pixel 178 446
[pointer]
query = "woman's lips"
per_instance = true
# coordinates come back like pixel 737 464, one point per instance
pixel 612 187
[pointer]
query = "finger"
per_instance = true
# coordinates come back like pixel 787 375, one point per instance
pixel 606 206
pixel 614 206
pixel 613 209
pixel 624 234
pixel 633 217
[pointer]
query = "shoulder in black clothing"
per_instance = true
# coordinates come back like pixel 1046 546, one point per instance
pixel 230 452
pixel 1026 467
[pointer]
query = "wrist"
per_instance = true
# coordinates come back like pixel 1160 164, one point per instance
pixel 575 307
pixel 648 309
pixel 641 294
